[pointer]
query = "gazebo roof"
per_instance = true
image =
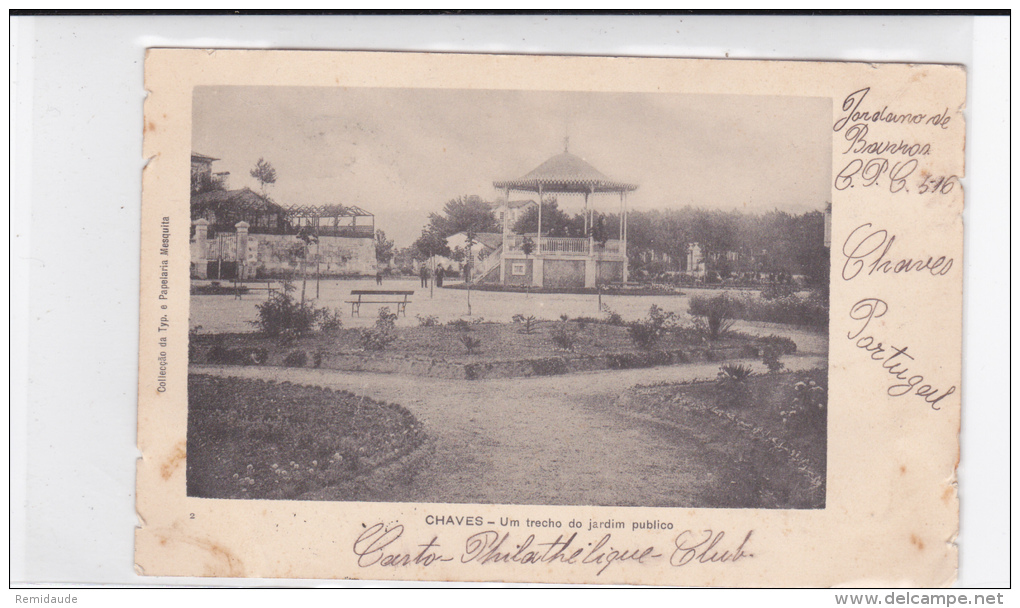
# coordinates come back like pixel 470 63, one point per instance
pixel 566 173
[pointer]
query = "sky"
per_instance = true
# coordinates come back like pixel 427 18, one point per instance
pixel 402 153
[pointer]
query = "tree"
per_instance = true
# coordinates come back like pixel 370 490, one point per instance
pixel 469 244
pixel 383 248
pixel 555 222
pixel 600 236
pixel 462 214
pixel 527 246
pixel 264 174
pixel 309 238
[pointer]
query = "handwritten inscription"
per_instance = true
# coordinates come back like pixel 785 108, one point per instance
pixel 885 162
pixel 894 359
pixel 381 545
pixel 871 248
pixel 707 548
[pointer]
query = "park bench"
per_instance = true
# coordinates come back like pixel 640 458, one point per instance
pixel 380 296
pixel 270 288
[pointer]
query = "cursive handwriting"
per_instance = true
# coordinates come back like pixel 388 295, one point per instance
pixel 705 548
pixel 371 548
pixel 852 108
pixel 867 247
pixel 876 172
pixel 857 135
pixel 487 548
pixel 384 545
pixel 890 356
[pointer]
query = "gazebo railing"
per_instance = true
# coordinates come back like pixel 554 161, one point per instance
pixel 561 245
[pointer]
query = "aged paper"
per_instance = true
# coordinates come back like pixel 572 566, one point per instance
pixel 550 319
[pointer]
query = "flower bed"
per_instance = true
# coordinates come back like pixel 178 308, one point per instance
pixel 256 439
pixel 503 350
pixel 770 447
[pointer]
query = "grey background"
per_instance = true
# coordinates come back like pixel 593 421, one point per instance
pixel 76 119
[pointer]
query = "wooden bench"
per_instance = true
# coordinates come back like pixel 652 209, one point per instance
pixel 379 296
pixel 241 288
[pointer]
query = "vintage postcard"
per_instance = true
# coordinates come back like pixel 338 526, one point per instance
pixel 448 317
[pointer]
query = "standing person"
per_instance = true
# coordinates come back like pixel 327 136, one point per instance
pixel 424 274
pixel 440 274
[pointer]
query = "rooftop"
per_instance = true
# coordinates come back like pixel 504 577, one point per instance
pixel 566 173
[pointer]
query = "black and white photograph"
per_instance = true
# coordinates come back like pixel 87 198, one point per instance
pixel 509 297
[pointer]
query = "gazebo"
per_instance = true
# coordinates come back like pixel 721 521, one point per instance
pixel 563 262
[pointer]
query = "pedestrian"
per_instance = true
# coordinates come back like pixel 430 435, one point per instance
pixel 424 274
pixel 440 273
pixel 378 277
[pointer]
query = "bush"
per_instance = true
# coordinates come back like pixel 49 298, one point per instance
pixel 731 383
pixel 379 337
pixel 694 333
pixel 282 316
pixel 471 344
pixel 281 313
pixel 461 324
pixel 720 312
pixel 297 358
pixel 784 345
pixel 775 291
pixel 563 337
pixel 387 321
pixel 329 320
pixel 528 322
pixel 375 339
pixel 791 310
pixel 552 366
pixel 648 332
pixel 612 317
pixel 643 334
pixel 427 320
pixel 809 405
pixel 248 355
pixel 770 357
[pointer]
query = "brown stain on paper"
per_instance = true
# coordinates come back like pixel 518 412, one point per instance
pixel 176 458
pixel 223 562
pixel 947 494
pixel 917 542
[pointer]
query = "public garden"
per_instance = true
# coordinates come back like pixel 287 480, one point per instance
pixel 533 398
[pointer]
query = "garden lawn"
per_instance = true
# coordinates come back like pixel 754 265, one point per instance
pixel 768 448
pixel 257 439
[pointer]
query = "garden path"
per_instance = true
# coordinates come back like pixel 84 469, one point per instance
pixel 539 440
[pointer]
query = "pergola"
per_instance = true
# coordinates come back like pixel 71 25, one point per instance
pixel 569 174
pixel 316 216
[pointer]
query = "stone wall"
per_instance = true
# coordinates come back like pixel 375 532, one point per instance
pixel 563 273
pixel 610 272
pixel 274 255
pixel 521 280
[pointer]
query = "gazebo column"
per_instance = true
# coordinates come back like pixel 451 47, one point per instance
pixel 591 264
pixel 536 263
pixel 506 230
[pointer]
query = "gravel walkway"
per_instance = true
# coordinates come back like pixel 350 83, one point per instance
pixel 543 440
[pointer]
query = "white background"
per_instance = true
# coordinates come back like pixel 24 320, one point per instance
pixel 76 137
